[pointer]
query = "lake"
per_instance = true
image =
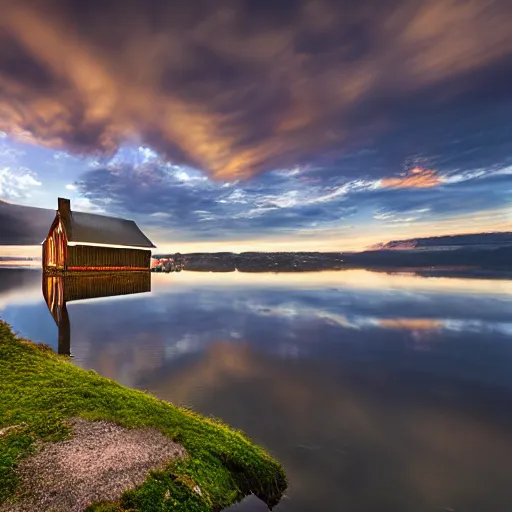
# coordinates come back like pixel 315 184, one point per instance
pixel 377 392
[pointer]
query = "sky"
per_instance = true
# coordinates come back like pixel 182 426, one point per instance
pixel 261 125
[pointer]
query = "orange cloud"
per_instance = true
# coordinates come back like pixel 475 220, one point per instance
pixel 232 91
pixel 416 178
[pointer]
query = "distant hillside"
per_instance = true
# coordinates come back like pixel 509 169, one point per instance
pixel 475 240
pixel 23 225
pixel 481 258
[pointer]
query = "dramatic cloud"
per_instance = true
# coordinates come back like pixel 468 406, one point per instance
pixel 17 183
pixel 416 178
pixel 301 207
pixel 357 122
pixel 236 87
pixel 181 202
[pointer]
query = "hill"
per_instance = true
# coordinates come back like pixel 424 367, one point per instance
pixel 473 240
pixel 24 225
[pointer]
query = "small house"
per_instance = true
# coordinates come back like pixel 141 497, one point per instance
pixel 80 241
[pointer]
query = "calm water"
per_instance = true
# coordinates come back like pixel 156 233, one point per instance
pixel 376 392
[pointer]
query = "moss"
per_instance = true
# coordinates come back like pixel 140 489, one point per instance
pixel 40 390
pixel 104 507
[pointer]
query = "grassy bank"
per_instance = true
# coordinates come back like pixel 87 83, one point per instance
pixel 39 391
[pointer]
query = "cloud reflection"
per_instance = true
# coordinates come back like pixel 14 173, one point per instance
pixel 327 375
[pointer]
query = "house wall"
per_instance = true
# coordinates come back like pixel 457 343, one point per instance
pixel 55 247
pixel 90 257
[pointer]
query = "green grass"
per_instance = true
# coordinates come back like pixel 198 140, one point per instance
pixel 40 390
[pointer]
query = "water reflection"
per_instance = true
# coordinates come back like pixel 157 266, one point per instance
pixel 377 392
pixel 59 290
pixel 358 435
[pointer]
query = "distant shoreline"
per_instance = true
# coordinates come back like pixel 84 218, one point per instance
pixel 460 259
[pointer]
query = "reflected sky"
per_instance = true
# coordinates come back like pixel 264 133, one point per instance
pixel 376 391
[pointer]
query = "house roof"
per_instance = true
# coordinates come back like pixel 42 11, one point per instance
pixel 100 229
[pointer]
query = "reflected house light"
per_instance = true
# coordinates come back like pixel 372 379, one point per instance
pixel 58 290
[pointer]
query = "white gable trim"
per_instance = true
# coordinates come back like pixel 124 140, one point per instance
pixel 111 246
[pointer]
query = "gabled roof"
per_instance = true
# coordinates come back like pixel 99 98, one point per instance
pixel 100 229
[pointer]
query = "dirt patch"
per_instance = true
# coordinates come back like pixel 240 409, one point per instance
pixel 99 462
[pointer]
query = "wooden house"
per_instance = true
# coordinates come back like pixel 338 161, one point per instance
pixel 80 241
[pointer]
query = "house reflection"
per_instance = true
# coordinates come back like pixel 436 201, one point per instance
pixel 58 290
